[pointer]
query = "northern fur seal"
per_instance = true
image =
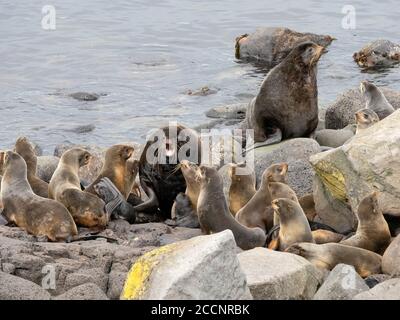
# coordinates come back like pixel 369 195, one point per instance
pixel 242 188
pixel 294 225
pixel 365 118
pixel 272 45
pixel 328 255
pixel 375 100
pixel 335 138
pixel 288 97
pixel 24 148
pixel 373 231
pixel 378 54
pixel 87 209
pixel 321 236
pixel 37 215
pixel 160 178
pixel 257 212
pixel 214 215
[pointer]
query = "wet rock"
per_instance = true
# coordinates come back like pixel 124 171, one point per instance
pixel 234 111
pixel 374 279
pixel 341 112
pixel 46 165
pixel 343 283
pixel 391 258
pixel 16 288
pixel 205 267
pixel 387 290
pixel 296 152
pixel 84 96
pixel 87 291
pixel 378 54
pixel 279 275
pixel 204 91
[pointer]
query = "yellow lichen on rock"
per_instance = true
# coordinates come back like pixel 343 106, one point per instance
pixel 135 283
pixel 332 178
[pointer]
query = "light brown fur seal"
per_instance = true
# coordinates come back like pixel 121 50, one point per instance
pixel 87 209
pixel 365 118
pixel 294 226
pixel 24 148
pixel 373 231
pixel 37 215
pixel 257 212
pixel 242 188
pixel 214 215
pixel 328 255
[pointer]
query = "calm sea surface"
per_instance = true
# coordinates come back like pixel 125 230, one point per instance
pixel 143 56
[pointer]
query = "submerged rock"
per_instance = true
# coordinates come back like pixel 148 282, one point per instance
pixel 234 111
pixel 84 96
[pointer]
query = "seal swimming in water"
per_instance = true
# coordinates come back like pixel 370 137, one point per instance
pixel 365 118
pixel 288 97
pixel 328 255
pixel 214 215
pixel 242 188
pixel 160 178
pixel 37 215
pixel 257 212
pixel 24 148
pixel 378 54
pixel 373 231
pixel 272 45
pixel 87 209
pixel 376 100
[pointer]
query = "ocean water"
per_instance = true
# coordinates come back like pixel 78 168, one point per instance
pixel 143 57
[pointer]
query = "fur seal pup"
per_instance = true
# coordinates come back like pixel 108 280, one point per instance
pixel 365 118
pixel 257 212
pixel 373 231
pixel 375 100
pixel 160 179
pixel 335 138
pixel 242 188
pixel 288 97
pixel 271 45
pixel 294 226
pixel 328 255
pixel 37 215
pixel 87 209
pixel 24 148
pixel 378 54
pixel 214 215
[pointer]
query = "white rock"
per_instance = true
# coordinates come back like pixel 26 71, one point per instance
pixel 387 290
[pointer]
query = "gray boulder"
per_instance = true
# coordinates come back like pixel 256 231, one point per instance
pixel 279 275
pixel 87 291
pixel 387 290
pixel 391 258
pixel 46 165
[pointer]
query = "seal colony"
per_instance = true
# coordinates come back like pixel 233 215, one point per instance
pixel 189 193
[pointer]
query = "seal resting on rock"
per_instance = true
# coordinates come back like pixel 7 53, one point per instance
pixel 24 148
pixel 373 231
pixel 365 118
pixel 242 188
pixel 161 179
pixel 271 45
pixel 288 97
pixel 375 100
pixel 87 209
pixel 378 54
pixel 328 255
pixel 335 138
pixel 214 215
pixel 37 215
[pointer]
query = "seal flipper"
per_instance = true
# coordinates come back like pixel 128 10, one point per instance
pixel 116 205
pixel 151 205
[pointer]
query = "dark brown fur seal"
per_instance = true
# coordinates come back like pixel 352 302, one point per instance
pixel 288 97
pixel 257 212
pixel 365 118
pixel 271 45
pixel 24 148
pixel 162 181
pixel 37 215
pixel 373 231
pixel 214 215
pixel 328 255
pixel 242 188
pixel 378 54
pixel 87 209
pixel 376 100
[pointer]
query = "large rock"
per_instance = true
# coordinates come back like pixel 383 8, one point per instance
pixel 368 163
pixel 205 267
pixel 387 290
pixel 343 283
pixel 279 275
pixel 391 258
pixel 46 165
pixel 15 288
pixel 234 111
pixel 341 112
pixel 87 291
pixel 296 152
